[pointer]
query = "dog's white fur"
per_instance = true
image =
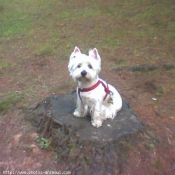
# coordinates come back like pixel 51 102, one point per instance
pixel 92 101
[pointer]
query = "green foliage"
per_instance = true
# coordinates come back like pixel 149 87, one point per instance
pixel 44 143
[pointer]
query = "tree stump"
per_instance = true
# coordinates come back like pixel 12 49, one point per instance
pixel 82 148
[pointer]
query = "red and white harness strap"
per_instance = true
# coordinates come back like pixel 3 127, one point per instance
pixel 106 88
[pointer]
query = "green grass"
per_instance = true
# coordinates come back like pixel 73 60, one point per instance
pixel 11 99
pixel 45 50
pixel 3 64
pixel 121 62
pixel 15 18
pixel 154 18
pixel 78 14
pixel 151 134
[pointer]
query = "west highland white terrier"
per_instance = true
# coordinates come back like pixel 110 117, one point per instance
pixel 94 95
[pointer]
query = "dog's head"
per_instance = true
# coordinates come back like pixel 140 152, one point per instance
pixel 84 67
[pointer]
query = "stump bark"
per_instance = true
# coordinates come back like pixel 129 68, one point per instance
pixel 82 148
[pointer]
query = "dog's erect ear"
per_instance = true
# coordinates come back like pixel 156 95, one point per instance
pixel 76 50
pixel 94 53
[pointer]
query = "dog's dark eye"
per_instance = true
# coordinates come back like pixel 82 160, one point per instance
pixel 90 67
pixel 79 66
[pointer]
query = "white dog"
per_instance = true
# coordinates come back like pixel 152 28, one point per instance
pixel 94 95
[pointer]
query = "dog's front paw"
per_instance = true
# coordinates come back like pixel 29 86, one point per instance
pixel 76 113
pixel 96 123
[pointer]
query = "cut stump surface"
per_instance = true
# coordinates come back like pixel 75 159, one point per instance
pixel 124 123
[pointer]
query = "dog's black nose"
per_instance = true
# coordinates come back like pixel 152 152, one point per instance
pixel 83 73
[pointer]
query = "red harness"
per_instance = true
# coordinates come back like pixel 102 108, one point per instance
pixel 93 87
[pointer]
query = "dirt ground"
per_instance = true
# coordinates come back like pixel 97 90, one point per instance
pixel 28 75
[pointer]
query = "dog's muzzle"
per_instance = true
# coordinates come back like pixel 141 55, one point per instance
pixel 83 73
